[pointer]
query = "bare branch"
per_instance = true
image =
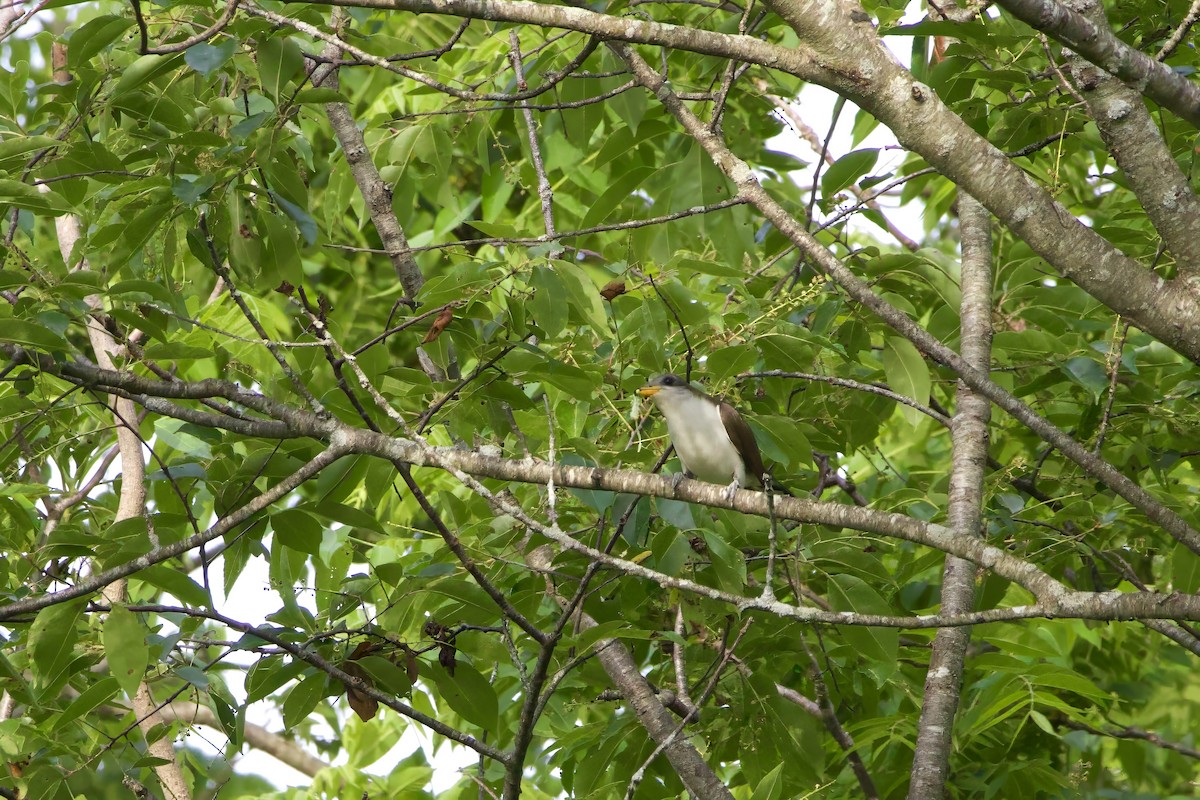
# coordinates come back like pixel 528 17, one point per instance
pixel 1101 46
pixel 285 750
pixel 1177 35
pixel 1136 145
pixel 178 47
pixel 545 192
pixel 943 680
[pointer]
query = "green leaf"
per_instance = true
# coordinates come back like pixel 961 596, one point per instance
pixel 619 191
pixel 585 295
pixel 676 512
pixel 207 58
pixel 298 530
pixel 52 638
pixel 1042 722
pixel 125 648
pixel 177 583
pixel 347 515
pixel 302 699
pixel 93 37
pixel 388 677
pixel 177 351
pixel 145 70
pixel 268 674
pixel 124 540
pixel 728 362
pixel 149 290
pixel 193 675
pixel 908 374
pixel 549 310
pixel 232 722
pixel 283 256
pixel 22 195
pixel 279 60
pixel 303 220
pixel 847 170
pixel 1185 569
pixel 16 151
pixel 727 561
pixel 770 787
pixel 89 699
pixel 877 647
pixel 468 693
pixel 28 334
pixel 183 436
pixel 1088 372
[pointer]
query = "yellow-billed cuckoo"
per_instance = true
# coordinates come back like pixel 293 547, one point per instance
pixel 712 440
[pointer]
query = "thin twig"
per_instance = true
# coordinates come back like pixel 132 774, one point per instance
pixel 545 191
pixel 551 492
pixel 178 47
pixel 872 388
pixel 218 266
pixel 1177 35
pixel 535 240
pixel 1114 368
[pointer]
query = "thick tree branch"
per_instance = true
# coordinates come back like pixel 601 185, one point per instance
pixel 1133 139
pixel 1098 44
pixel 1053 598
pixel 943 680
pixel 376 193
pixel 626 676
pixel 868 74
pixel 258 737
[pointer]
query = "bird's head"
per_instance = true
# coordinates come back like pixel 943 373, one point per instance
pixel 665 387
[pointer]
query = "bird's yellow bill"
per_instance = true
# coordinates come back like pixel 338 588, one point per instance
pixel 649 391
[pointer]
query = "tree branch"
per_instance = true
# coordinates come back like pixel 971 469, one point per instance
pixel 1134 140
pixel 285 750
pixel 1098 44
pixel 375 192
pixel 159 554
pixel 943 680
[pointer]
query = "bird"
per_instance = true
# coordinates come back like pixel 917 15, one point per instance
pixel 712 440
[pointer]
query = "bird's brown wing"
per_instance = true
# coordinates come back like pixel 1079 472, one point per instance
pixel 743 440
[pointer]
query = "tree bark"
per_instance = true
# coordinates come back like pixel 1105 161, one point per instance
pixel 1133 139
pixel 943 681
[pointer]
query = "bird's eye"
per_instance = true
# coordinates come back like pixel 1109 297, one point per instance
pixel 670 380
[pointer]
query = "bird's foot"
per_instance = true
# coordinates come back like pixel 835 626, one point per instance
pixel 677 479
pixel 729 491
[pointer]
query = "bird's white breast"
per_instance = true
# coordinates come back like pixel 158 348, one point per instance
pixel 701 442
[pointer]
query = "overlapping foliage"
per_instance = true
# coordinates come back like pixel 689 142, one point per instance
pixel 220 159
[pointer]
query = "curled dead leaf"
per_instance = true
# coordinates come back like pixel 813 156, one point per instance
pixel 365 706
pixel 439 324
pixel 612 290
